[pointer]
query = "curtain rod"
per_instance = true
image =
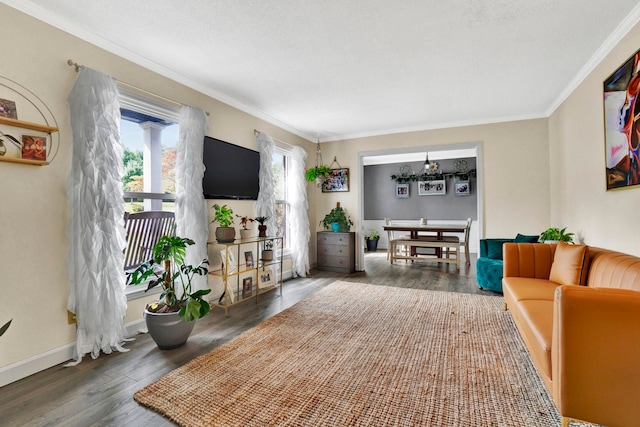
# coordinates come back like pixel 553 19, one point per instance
pixel 256 132
pixel 77 67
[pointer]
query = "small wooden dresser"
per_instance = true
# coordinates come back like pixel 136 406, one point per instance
pixel 337 251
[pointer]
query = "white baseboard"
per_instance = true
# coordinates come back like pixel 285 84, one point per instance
pixel 35 364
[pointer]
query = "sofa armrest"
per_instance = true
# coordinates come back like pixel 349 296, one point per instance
pixel 595 354
pixel 532 260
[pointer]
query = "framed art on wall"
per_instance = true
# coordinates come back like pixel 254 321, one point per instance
pixel 402 191
pixel 621 91
pixel 432 188
pixel 462 188
pixel 338 180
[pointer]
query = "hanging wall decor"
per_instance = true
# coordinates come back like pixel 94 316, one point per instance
pixel 402 191
pixel 432 188
pixel 621 92
pixel 462 188
pixel 338 179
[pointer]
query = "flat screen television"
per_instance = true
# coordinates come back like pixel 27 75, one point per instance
pixel 231 171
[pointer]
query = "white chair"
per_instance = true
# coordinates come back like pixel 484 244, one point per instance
pixel 393 236
pixel 457 246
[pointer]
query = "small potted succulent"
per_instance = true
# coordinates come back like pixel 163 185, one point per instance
pixel 267 252
pixel 372 241
pixel 224 216
pixel 262 228
pixel 245 233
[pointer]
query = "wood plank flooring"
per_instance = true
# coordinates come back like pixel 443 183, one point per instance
pixel 99 392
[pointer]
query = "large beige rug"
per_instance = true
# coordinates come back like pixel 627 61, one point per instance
pixel 354 354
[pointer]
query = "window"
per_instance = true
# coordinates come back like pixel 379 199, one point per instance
pixel 149 134
pixel 279 165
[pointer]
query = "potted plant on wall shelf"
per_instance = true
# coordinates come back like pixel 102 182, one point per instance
pixel 262 228
pixel 245 233
pixel 554 235
pixel 317 174
pixel 224 216
pixel 372 241
pixel 171 320
pixel 337 220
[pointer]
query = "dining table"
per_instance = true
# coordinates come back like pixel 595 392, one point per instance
pixel 436 230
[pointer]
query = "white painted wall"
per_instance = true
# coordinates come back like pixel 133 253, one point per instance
pixel 579 199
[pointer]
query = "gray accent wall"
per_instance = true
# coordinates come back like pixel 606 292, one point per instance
pixel 380 200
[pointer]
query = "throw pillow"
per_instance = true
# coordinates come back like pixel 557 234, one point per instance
pixel 570 264
pixel 521 238
pixel 494 249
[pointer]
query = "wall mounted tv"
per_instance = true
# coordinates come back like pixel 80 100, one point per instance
pixel 231 171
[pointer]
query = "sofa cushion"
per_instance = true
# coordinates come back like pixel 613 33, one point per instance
pixel 536 328
pixel 524 288
pixel 494 249
pixel 522 238
pixel 570 264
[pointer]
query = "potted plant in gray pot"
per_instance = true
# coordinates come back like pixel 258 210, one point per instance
pixel 224 216
pixel 171 320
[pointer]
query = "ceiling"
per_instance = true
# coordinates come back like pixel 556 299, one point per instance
pixel 336 69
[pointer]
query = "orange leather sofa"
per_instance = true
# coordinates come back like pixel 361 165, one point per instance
pixel 584 336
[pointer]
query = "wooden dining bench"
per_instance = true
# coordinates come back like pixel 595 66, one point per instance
pixel 143 231
pixel 442 245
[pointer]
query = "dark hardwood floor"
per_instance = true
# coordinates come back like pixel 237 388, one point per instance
pixel 99 392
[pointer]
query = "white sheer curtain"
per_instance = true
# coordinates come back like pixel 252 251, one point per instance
pixel 96 228
pixel 191 208
pixel 298 217
pixel 266 203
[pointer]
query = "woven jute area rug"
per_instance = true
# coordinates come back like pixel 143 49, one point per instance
pixel 354 354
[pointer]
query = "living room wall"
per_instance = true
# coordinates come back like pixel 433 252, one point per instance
pixel 515 168
pixel 34 208
pixel 579 199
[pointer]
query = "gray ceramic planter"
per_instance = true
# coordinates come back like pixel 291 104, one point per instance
pixel 168 330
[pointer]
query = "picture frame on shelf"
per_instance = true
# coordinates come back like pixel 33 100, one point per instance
pixel 338 180
pixel 8 109
pixel 231 297
pixel 248 259
pixel 265 278
pixel 432 188
pixel 34 147
pixel 247 287
pixel 230 260
pixel 402 191
pixel 462 188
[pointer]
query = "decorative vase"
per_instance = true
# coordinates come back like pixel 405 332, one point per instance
pixel 262 230
pixel 335 226
pixel 245 234
pixel 267 255
pixel 168 330
pixel 225 234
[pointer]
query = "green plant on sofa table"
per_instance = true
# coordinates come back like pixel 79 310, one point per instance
pixel 556 235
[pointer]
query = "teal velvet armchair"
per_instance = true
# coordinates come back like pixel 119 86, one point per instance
pixel 489 263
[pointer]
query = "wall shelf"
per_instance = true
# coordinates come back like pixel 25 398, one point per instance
pixel 27 125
